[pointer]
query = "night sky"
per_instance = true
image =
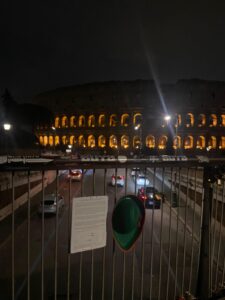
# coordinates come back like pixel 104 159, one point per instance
pixel 48 44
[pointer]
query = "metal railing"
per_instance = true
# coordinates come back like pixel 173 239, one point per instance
pixel 181 250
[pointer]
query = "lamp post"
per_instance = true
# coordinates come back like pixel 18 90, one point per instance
pixel 7 127
pixel 138 127
pixel 168 118
pixel 54 130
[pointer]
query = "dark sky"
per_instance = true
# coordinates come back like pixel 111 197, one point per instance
pixel 48 44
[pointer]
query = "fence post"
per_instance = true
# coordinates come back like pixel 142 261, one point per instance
pixel 204 271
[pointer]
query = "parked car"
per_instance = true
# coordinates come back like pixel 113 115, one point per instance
pixel 49 205
pixel 119 180
pixel 75 175
pixel 151 197
pixel 142 180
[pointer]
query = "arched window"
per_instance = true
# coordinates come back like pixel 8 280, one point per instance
pixel 51 140
pixel 57 125
pixel 81 141
pixel 212 144
pixel 41 141
pixel 223 120
pixel 72 121
pixel 188 142
pixel 91 121
pixel 101 141
pixel 113 142
pixel 189 120
pixel 45 140
pixel 101 121
pixel 137 142
pixel 212 120
pixel 57 140
pixel 125 141
pixel 113 120
pixel 91 141
pixel 150 141
pixel 64 122
pixel 64 140
pixel 200 142
pixel 72 140
pixel 222 142
pixel 177 142
pixel 125 120
pixel 81 121
pixel 137 120
pixel 162 142
pixel 201 120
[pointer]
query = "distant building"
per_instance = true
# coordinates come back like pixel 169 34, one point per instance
pixel 129 117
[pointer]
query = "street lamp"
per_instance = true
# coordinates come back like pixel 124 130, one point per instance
pixel 168 118
pixel 138 127
pixel 7 127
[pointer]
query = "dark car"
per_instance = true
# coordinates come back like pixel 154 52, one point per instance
pixel 151 197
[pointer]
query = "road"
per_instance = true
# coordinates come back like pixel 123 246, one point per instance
pixel 164 258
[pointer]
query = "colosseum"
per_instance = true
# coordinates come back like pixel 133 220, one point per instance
pixel 128 117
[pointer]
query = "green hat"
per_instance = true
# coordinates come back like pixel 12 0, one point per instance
pixel 127 221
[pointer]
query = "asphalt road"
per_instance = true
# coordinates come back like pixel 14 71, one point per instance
pixel 160 266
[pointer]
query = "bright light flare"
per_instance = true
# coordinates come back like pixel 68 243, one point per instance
pixel 7 126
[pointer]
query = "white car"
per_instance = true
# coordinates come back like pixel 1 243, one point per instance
pixel 135 172
pixel 119 180
pixel 142 180
pixel 49 204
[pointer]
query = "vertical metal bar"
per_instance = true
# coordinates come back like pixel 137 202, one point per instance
pixel 81 254
pixel 184 240
pixel 169 248
pixel 152 234
pixel 220 235
pixel 161 236
pixel 114 252
pixel 203 284
pixel 13 238
pixel 69 241
pixel 28 237
pixel 56 233
pixel 177 232
pixel 213 239
pixel 92 251
pixel 104 249
pixel 42 237
pixel 193 231
pixel 124 256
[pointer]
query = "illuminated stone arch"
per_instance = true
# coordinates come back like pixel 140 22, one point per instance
pixel 81 141
pixel 213 120
pixel 150 141
pixel 125 120
pixel 201 120
pixel 113 120
pixel 177 142
pixel 101 141
pixel 137 142
pixel 137 119
pixel 113 143
pixel 125 141
pixel 91 141
pixel 222 120
pixel 72 121
pixel 57 141
pixel 64 122
pixel 200 143
pixel 41 140
pixel 45 140
pixel 72 140
pixel 91 121
pixel 188 142
pixel 101 120
pixel 212 142
pixel 189 120
pixel 51 140
pixel 222 142
pixel 57 124
pixel 81 121
pixel 64 140
pixel 162 142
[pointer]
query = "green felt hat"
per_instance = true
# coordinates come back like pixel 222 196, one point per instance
pixel 127 221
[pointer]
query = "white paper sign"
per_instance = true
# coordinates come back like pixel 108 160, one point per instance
pixel 89 216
